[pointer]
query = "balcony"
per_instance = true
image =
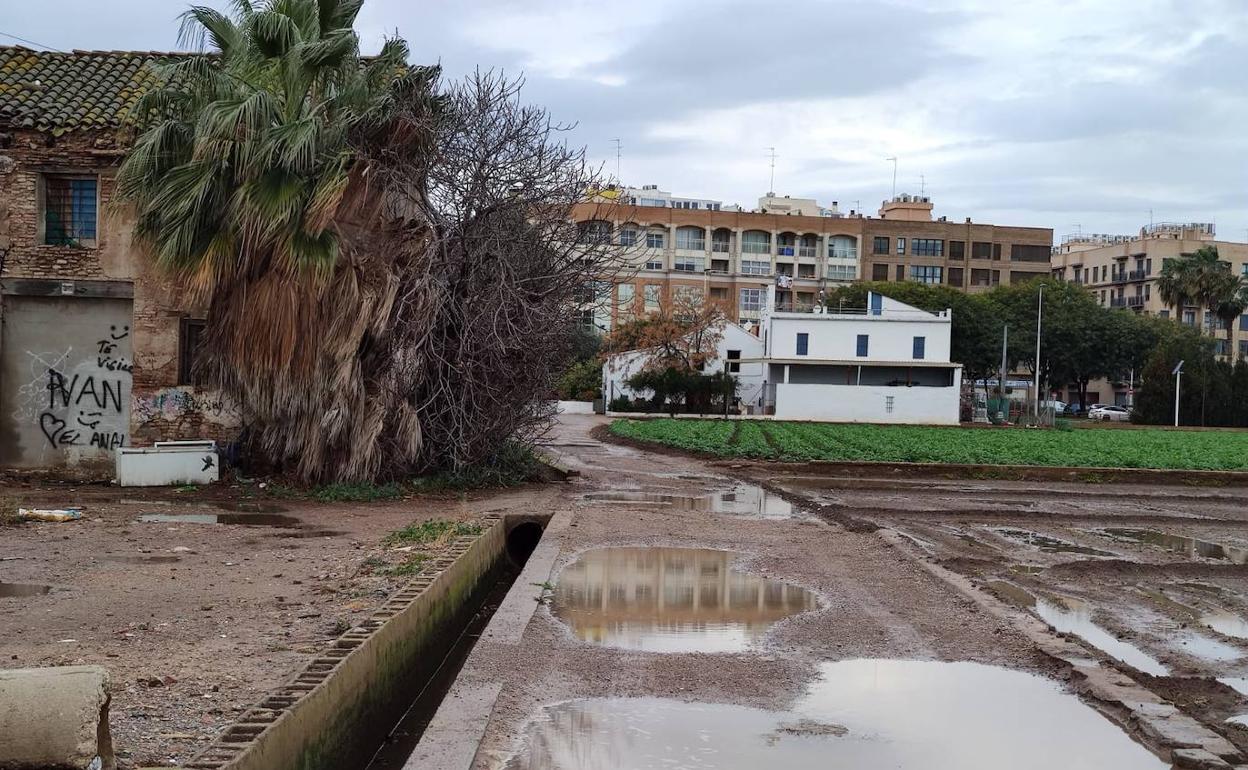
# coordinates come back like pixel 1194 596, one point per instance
pixel 1120 277
pixel 1138 275
pixel 843 253
pixel 722 247
pixel 754 247
pixel 785 251
pixel 1117 301
pixel 692 244
pixel 807 251
pixel 1136 301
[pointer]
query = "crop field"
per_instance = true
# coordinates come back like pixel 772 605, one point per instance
pixel 1162 449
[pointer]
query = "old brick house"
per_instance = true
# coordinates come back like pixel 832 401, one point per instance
pixel 95 346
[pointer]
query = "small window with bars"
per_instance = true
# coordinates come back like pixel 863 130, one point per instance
pixel 189 341
pixel 69 210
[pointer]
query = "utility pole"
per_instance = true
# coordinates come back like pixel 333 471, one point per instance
pixel 1178 379
pixel 618 146
pixel 1005 339
pixel 771 188
pixel 894 160
pixel 1039 316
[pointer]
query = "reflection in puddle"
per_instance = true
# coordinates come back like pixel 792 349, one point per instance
pixel 1241 720
pixel 1190 547
pixel 908 715
pixel 671 600
pixel 742 500
pixel 1237 683
pixel 22 590
pixel 247 519
pixel 1227 623
pixel 1075 617
pixel 1208 649
pixel 1048 544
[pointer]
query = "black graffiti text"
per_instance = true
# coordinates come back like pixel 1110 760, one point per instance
pixel 63 393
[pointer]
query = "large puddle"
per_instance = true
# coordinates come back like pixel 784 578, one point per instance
pixel 741 500
pixel 1227 623
pixel 671 600
pixel 246 519
pixel 1047 543
pixel 1192 548
pixel 896 714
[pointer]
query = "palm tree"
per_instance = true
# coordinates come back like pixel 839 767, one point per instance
pixel 251 186
pixel 1175 285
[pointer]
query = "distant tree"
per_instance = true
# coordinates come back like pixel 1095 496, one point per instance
pixel 1154 403
pixel 581 381
pixel 683 335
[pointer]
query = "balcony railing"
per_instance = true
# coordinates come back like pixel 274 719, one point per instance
pixel 1117 301
pixel 722 247
pixel 753 247
pixel 843 253
pixel 784 251
pixel 807 251
pixel 1118 277
pixel 1137 275
pixel 691 245
pixel 1135 301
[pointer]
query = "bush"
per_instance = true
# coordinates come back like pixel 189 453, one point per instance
pixel 8 513
pixel 581 382
pixel 620 404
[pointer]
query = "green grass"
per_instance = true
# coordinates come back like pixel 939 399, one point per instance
pixel 413 564
pixel 1145 448
pixel 426 532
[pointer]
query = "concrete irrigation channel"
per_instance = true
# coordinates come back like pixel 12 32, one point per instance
pixel 658 611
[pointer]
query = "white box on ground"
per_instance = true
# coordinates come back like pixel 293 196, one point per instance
pixel 168 463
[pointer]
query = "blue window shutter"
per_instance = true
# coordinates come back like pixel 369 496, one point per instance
pixel 803 343
pixel 862 345
pixel 877 303
pixel 920 347
pixel 82 200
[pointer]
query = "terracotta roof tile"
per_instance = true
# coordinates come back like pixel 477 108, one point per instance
pixel 60 92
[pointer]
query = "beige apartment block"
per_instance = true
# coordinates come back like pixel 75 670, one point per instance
pixel 732 256
pixel 1122 271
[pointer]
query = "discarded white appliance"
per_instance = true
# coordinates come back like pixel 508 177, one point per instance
pixel 168 463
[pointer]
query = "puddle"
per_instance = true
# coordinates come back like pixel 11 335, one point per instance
pixel 1208 649
pixel 1227 623
pixel 1237 683
pixel 1241 720
pixel 742 500
pixel 671 600
pixel 247 507
pixel 22 590
pixel 1047 543
pixel 1190 547
pixel 246 519
pixel 897 714
pixel 1073 616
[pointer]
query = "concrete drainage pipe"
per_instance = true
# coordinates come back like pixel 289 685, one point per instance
pixel 55 718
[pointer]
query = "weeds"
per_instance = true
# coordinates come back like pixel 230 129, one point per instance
pixel 412 565
pixel 431 531
pixel 8 513
pixel 356 493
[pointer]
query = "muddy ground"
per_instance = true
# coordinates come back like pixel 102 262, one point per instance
pixel 196 621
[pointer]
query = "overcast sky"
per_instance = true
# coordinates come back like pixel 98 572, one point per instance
pixel 1024 112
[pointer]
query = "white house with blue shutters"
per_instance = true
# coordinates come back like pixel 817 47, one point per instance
pixel 885 363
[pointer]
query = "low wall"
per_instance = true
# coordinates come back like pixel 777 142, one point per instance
pixel 867 403
pixel 575 407
pixel 337 710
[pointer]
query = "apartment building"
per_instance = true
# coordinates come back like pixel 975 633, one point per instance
pixel 1122 271
pixel 732 256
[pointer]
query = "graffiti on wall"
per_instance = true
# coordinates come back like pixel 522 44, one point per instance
pixel 80 398
pixel 182 404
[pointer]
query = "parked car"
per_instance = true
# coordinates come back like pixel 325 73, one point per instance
pixel 1109 413
pixel 1059 407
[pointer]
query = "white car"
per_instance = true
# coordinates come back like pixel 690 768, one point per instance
pixel 1109 413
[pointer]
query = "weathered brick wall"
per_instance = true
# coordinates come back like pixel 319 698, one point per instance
pixel 160 408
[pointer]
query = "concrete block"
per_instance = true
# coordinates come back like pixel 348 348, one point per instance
pixel 55 719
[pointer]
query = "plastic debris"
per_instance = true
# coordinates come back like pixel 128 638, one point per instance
pixel 50 514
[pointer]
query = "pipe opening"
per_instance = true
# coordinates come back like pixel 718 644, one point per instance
pixel 522 540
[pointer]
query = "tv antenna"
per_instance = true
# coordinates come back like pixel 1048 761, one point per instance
pixel 894 160
pixel 771 153
pixel 922 184
pixel 618 147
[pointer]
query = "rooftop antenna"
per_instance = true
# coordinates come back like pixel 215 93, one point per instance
pixel 894 160
pixel 922 184
pixel 618 146
pixel 771 190
pixel 1150 219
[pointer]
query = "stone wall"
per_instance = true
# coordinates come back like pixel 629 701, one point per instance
pixel 113 266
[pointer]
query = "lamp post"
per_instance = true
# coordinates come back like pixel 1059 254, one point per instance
pixel 1178 379
pixel 1039 315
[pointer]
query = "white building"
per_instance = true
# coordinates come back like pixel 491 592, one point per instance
pixel 651 195
pixel 886 363
pixel 735 345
